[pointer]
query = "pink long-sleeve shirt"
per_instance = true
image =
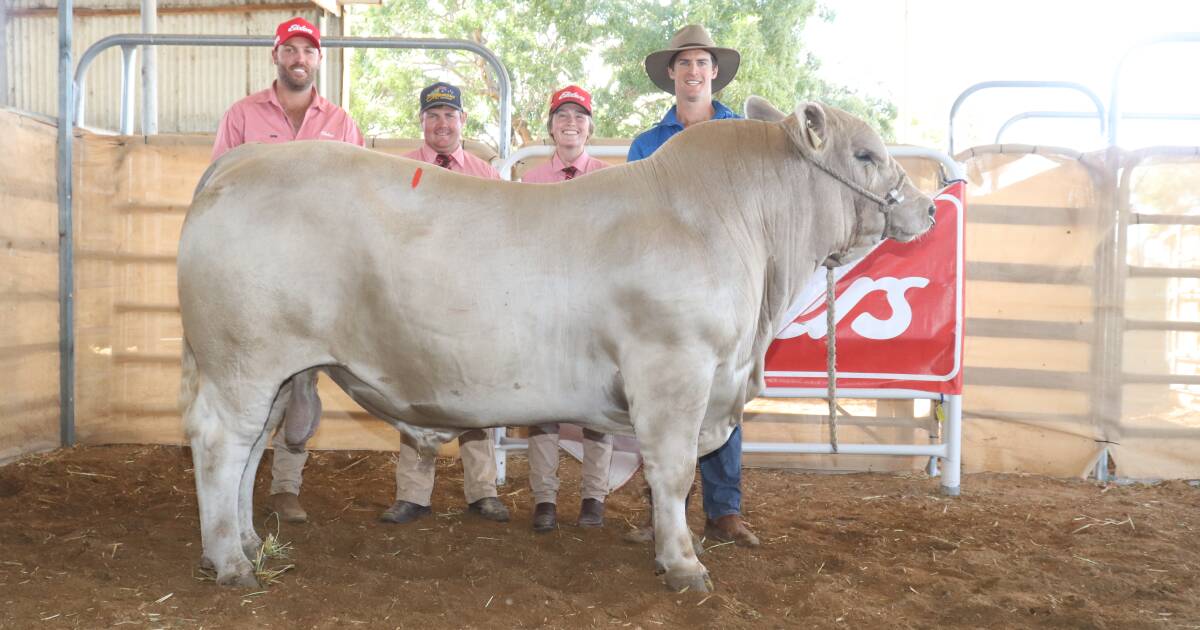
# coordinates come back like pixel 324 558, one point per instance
pixel 552 172
pixel 260 118
pixel 460 161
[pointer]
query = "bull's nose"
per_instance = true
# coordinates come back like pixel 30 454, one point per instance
pixel 932 212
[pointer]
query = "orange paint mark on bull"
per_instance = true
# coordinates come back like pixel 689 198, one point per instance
pixel 416 178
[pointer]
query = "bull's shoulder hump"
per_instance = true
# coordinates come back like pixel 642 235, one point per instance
pixel 721 136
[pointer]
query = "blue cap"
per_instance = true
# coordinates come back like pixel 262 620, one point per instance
pixel 441 94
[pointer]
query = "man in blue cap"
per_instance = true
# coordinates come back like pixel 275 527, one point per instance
pixel 442 119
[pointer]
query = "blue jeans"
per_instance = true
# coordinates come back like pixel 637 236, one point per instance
pixel 721 478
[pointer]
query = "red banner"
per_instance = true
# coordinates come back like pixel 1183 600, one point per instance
pixel 899 316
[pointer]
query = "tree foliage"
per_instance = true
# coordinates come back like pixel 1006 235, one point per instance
pixel 598 44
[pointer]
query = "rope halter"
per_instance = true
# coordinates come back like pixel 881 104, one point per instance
pixel 891 198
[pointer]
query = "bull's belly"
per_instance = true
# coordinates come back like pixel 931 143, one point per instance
pixel 464 405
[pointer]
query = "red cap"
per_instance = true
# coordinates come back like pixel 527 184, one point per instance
pixel 297 27
pixel 571 94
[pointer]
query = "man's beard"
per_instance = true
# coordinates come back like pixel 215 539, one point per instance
pixel 288 82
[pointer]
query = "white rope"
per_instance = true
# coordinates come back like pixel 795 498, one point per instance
pixel 831 355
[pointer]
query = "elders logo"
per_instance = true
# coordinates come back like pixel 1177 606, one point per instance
pixel 576 96
pixel 299 27
pixel 898 312
pixel 814 323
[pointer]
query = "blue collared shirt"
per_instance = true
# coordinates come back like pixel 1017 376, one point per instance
pixel 648 141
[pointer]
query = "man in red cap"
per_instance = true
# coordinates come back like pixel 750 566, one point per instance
pixel 570 126
pixel 289 110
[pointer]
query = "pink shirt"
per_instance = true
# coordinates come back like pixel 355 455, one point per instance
pixel 552 172
pixel 460 162
pixel 260 118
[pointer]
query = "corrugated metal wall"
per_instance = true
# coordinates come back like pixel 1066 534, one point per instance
pixel 196 84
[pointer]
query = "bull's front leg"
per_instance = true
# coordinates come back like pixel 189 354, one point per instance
pixel 670 468
pixel 667 409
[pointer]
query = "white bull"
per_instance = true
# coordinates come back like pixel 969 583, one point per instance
pixel 638 299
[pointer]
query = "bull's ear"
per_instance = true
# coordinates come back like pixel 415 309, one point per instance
pixel 758 108
pixel 812 117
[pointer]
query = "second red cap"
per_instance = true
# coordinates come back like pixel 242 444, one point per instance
pixel 571 94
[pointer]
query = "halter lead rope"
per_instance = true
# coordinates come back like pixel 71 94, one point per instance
pixel 831 356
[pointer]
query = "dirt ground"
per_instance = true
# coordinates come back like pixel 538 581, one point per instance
pixel 109 536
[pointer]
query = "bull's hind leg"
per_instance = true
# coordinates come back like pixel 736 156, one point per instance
pixel 667 407
pixel 222 437
pixel 251 542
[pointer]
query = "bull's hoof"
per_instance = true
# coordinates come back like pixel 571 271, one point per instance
pixel 250 546
pixel 207 565
pixel 691 582
pixel 242 577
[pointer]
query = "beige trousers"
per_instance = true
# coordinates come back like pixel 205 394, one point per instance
pixel 543 464
pixel 414 474
pixel 286 467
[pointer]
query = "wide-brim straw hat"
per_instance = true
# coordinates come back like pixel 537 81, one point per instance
pixel 692 36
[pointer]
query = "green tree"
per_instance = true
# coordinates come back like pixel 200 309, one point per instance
pixel 548 44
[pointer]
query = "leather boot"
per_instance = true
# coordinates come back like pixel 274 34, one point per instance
pixel 490 508
pixel 287 506
pixel 730 528
pixel 545 517
pixel 404 512
pixel 591 513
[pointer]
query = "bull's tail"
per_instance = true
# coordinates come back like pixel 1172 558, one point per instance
pixel 208 172
pixel 189 382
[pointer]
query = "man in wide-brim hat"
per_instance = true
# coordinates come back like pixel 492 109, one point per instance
pixel 692 67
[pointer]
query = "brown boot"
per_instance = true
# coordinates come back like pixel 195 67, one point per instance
pixel 591 513
pixel 545 517
pixel 730 528
pixel 287 506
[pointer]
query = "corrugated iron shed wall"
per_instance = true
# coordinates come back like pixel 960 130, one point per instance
pixel 196 84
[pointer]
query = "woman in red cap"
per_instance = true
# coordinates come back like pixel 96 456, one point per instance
pixel 570 126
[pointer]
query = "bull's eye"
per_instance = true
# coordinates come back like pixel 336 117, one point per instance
pixel 864 156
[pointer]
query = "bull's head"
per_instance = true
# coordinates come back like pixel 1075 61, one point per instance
pixel 846 149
